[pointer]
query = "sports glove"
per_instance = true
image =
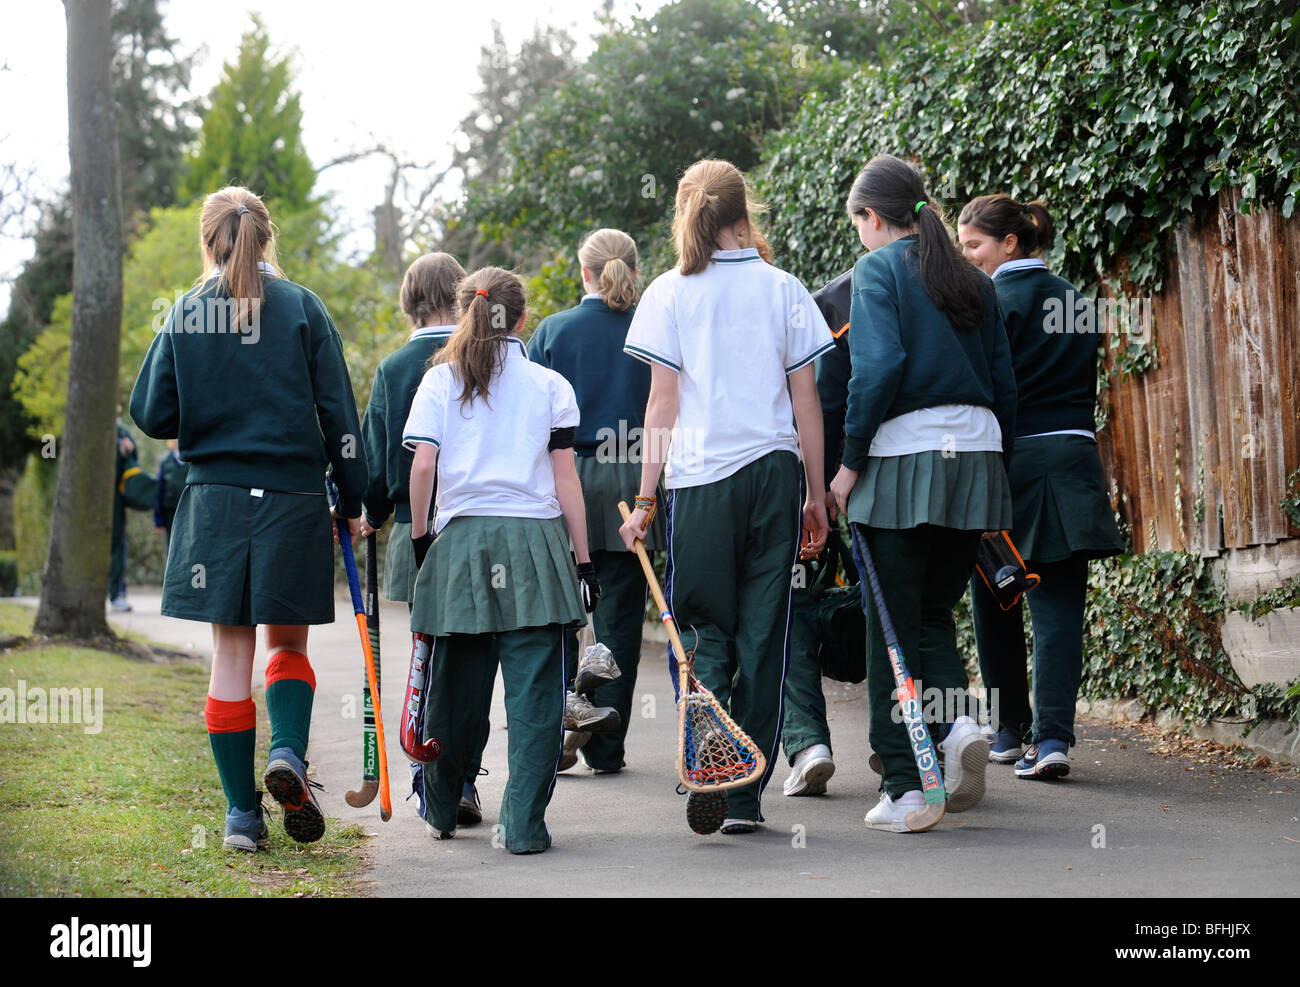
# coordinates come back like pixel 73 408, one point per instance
pixel 590 585
pixel 421 546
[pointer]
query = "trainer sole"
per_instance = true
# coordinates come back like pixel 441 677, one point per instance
pixel 1056 766
pixel 1006 757
pixel 970 783
pixel 585 683
pixel 706 811
pixel 303 820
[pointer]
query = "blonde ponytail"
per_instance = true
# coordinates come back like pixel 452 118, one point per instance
pixel 610 256
pixel 711 196
pixel 236 231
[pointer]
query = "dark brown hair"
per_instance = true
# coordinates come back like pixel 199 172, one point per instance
pixel 429 289
pixel 892 189
pixel 1001 216
pixel 236 230
pixel 712 195
pixel 491 302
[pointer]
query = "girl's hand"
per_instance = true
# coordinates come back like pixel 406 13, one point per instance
pixel 634 528
pixel 366 529
pixel 815 529
pixel 843 484
pixel 832 511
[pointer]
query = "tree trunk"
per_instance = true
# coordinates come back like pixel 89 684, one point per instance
pixel 75 581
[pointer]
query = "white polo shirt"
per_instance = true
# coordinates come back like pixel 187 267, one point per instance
pixel 492 454
pixel 732 332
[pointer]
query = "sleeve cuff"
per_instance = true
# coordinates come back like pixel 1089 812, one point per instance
pixel 856 452
pixel 651 357
pixel 411 441
pixel 825 348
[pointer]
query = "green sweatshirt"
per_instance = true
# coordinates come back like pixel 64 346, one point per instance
pixel 270 408
pixel 907 355
pixel 396 381
pixel 1056 371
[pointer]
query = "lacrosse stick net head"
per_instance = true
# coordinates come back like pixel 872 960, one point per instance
pixel 715 753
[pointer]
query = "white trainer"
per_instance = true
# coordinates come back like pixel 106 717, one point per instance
pixel 891 816
pixel 811 770
pixel 965 758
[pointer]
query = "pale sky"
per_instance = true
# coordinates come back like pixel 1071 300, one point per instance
pixel 403 71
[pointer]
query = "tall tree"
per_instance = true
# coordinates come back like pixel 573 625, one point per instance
pixel 252 130
pixel 150 82
pixel 75 581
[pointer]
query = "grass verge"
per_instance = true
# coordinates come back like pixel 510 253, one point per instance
pixel 131 805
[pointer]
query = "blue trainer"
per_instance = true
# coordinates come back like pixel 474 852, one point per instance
pixel 1048 759
pixel 1006 747
pixel 287 782
pixel 246 829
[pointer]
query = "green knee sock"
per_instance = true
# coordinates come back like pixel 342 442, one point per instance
pixel 232 731
pixel 290 688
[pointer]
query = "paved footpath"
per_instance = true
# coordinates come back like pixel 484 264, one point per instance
pixel 1167 830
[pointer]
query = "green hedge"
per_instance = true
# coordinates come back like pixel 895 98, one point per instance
pixel 1127 118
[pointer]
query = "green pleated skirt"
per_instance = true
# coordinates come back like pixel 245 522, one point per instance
pixel 1060 504
pixel 489 574
pixel 399 564
pixel 244 560
pixel 967 491
pixel 603 486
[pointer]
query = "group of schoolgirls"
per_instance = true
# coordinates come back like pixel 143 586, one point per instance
pixel 951 414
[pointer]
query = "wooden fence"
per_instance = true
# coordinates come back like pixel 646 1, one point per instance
pixel 1198 449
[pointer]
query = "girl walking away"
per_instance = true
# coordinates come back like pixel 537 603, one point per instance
pixel 428 300
pixel 497 432
pixel 931 408
pixel 585 345
pixel 248 375
pixel 731 340
pixel 1062 515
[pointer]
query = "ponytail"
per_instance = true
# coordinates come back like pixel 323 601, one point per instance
pixel 1001 216
pixel 236 230
pixel 894 190
pixel 491 303
pixel 711 196
pixel 610 256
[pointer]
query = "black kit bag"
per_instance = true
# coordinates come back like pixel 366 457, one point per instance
pixel 1003 570
pixel 841 625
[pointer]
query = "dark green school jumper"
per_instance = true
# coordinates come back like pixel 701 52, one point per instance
pixel 585 345
pixel 259 416
pixel 389 490
pixel 132 488
pixel 1063 517
pixel 921 514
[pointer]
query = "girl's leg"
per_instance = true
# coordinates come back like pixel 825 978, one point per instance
pixel 769 491
pixel 290 687
pixel 230 714
pixel 532 668
pixel 462 672
pixel 1056 608
pixel 1000 637
pixel 899 559
pixel 950 557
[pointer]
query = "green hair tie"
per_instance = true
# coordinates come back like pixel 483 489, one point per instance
pixel 919 205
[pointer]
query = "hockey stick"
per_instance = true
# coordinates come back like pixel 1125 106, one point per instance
pixel 927 764
pixel 410 732
pixel 713 753
pixel 372 670
pixel 369 749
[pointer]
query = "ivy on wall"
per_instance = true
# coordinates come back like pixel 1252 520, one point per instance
pixel 1127 118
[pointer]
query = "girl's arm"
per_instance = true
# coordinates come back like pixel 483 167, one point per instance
pixel 568 489
pixel 808 418
pixel 660 417
pixel 424 468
